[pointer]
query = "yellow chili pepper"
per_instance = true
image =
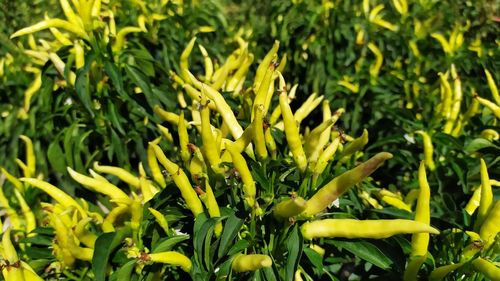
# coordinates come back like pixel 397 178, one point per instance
pixel 263 66
pixel 197 166
pixel 234 83
pixel 121 173
pixel 181 181
pixel 153 164
pixel 61 243
pixel 108 225
pixel 490 134
pixel 207 62
pixel 292 133
pixel 224 110
pixel 70 243
pixel 325 157
pixel 252 262
pixel 428 150
pixel 356 145
pixel 57 23
pixel 318 249
pixel 32 89
pixel 379 58
pixel 401 6
pixel 446 95
pixel 270 143
pixel 209 144
pixel 492 106
pixel 30 156
pixel 275 115
pixel 471 111
pixel 14 272
pixel 487 268
pixel 340 184
pixel 29 273
pixel 441 272
pixel 473 203
pixel 166 133
pixel 170 117
pixel 29 217
pixel 369 200
pixel 147 189
pixel 79 55
pixel 85 236
pixel 493 86
pixel 160 219
pixel 120 36
pixel 210 202
pixel 307 107
pixel 17 183
pixel 172 258
pixel 290 207
pixel 352 228
pixel 183 138
pixel 491 226
pixel 184 63
pixel 422 213
pixel 312 144
pixel 244 140
pixel 258 130
pixel 419 241
pixel 297 276
pixel 396 202
pixel 108 189
pixel 457 99
pixel 486 197
pixel 262 92
pixel 246 177
pixel 58 195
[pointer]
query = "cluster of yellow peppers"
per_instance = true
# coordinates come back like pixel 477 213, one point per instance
pixel 311 152
pixel 82 19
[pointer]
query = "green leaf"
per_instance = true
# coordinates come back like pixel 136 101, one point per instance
pixel 239 246
pixel 56 157
pixel 294 246
pixel 124 272
pixel 82 85
pixel 143 82
pixel 315 258
pixel 104 246
pixel 366 251
pixel 231 228
pixel 478 144
pixel 169 243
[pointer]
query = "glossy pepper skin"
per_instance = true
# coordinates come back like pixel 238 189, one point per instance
pixel 292 133
pixel 352 228
pixel 290 207
pixel 491 226
pixel 172 258
pixel 486 200
pixel 419 241
pixel 252 262
pixel 336 187
pixel 181 181
pixel 487 268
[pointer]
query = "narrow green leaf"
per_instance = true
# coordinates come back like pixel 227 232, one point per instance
pixel 169 243
pixel 366 251
pixel 104 246
pixel 56 157
pixel 124 272
pixel 231 228
pixel 294 246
